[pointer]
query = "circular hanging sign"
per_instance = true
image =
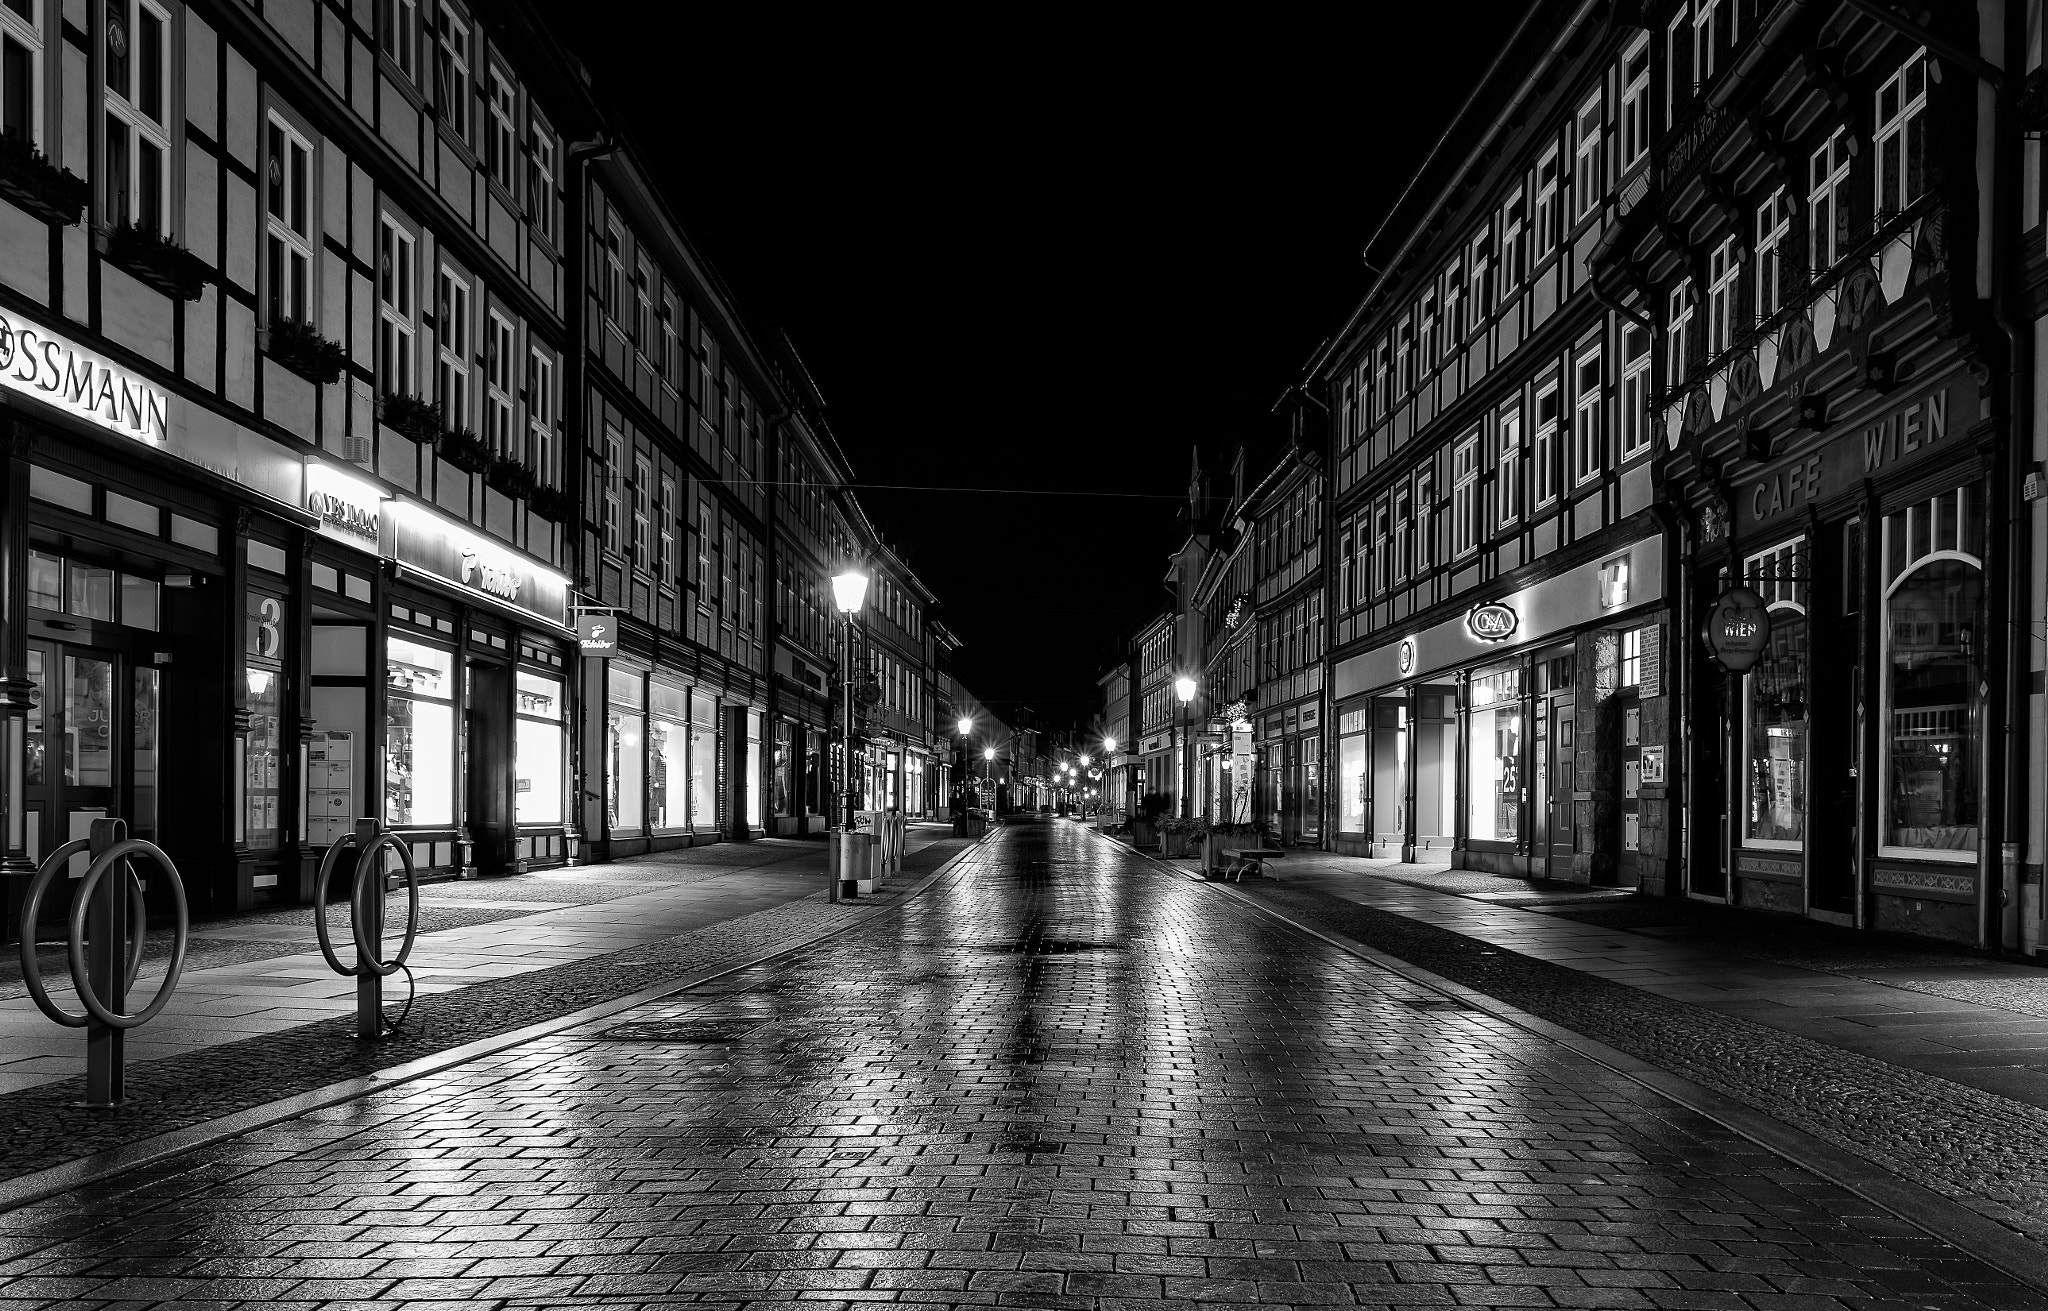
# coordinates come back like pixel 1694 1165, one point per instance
pixel 1492 622
pixel 1407 656
pixel 1737 628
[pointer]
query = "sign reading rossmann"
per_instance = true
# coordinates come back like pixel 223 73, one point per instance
pixel 49 367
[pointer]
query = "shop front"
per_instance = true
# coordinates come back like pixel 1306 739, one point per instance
pixel 1513 738
pixel 1854 796
pixel 1289 769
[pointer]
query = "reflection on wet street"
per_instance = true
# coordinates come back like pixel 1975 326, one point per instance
pixel 1063 1076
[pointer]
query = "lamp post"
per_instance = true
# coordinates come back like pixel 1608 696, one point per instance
pixel 960 778
pixel 849 589
pixel 1108 762
pixel 988 771
pixel 1184 688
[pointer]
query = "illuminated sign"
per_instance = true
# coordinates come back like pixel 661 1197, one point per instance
pixel 43 365
pixel 1407 655
pixel 1737 629
pixel 349 509
pixel 597 633
pixel 1492 622
pixel 465 560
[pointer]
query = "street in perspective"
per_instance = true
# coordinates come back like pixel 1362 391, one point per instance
pixel 1387 658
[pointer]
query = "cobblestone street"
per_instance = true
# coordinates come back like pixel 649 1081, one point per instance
pixel 1063 1076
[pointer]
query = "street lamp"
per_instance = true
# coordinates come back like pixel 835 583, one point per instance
pixel 849 589
pixel 960 777
pixel 1184 688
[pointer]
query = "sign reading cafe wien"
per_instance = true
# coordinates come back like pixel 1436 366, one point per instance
pixel 41 364
pixel 1737 629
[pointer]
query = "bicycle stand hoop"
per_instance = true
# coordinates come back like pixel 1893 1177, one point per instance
pixel 370 841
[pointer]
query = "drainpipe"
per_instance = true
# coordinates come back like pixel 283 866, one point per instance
pixel 577 160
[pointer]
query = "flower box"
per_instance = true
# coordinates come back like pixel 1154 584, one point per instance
pixel 295 345
pixel 550 503
pixel 156 261
pixel 510 477
pixel 32 182
pixel 465 450
pixel 417 419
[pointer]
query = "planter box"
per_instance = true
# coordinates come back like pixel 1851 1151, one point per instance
pixel 1176 844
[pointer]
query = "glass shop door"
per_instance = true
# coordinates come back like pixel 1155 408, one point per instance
pixel 92 745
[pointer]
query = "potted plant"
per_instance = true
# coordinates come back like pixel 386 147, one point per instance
pixel 465 450
pixel 155 260
pixel 298 346
pixel 1232 834
pixel 1179 836
pixel 31 181
pixel 1145 823
pixel 412 417
pixel 511 477
pixel 550 503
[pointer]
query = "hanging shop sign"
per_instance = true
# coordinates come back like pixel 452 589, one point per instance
pixel 1407 656
pixel 1492 622
pixel 466 561
pixel 597 633
pixel 349 509
pixel 1737 629
pixel 46 366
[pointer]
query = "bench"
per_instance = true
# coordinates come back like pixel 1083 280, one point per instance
pixel 1248 858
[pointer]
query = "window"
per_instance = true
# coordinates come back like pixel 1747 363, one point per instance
pixel 1479 275
pixel 614 272
pixel 1678 323
pixel 643 478
pixel 540 413
pixel 1679 83
pixel 501 148
pixel 1723 269
pixel 626 744
pixel 1636 431
pixel 21 70
pixel 1589 454
pixel 501 355
pixel 1509 476
pixel 1589 182
pixel 1545 234
pixel 1425 521
pixel 1545 445
pixel 1514 255
pixel 1706 23
pixel 665 511
pixel 1826 215
pixel 1635 103
pixel 288 240
pixel 1773 222
pixel 643 310
pixel 1632 657
pixel 671 359
pixel 395 309
pixel 451 370
pixel 419 734
pixel 398 35
pixel 1404 361
pixel 1404 534
pixel 1774 694
pixel 136 165
pixel 540 179
pixel 537 748
pixel 1382 546
pixel 1902 136
pixel 1465 496
pixel 1428 334
pixel 451 72
pixel 1933 620
pixel 614 491
pixel 1494 791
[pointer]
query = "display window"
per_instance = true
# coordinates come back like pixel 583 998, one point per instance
pixel 782 779
pixel 668 757
pixel 1352 780
pixel 263 761
pixel 1774 723
pixel 1933 676
pixel 419 734
pixel 753 769
pixel 625 745
pixel 537 748
pixel 703 760
pixel 1493 727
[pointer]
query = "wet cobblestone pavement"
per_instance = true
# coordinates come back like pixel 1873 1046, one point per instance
pixel 1063 1077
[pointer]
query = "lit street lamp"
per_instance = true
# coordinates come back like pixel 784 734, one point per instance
pixel 1184 688
pixel 849 589
pixel 960 778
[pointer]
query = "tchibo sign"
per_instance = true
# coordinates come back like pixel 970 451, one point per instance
pixel 39 363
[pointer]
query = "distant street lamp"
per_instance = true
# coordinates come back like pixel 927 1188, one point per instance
pixel 1184 688
pixel 849 589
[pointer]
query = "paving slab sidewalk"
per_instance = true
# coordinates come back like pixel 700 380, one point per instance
pixel 272 976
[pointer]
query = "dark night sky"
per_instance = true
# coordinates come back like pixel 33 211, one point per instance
pixel 1048 260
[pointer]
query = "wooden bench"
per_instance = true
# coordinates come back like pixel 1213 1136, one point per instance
pixel 1249 858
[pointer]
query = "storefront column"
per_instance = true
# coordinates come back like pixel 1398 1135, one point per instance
pixel 15 690
pixel 240 718
pixel 1413 694
pixel 465 841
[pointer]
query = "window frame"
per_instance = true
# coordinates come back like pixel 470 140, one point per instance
pixel 1638 434
pixel 540 176
pixel 1589 429
pixel 397 245
pixel 123 106
pixel 26 31
pixel 283 239
pixel 454 345
pixel 1827 175
pixel 1635 126
pixel 540 414
pixel 501 142
pixel 1465 462
pixel 455 72
pixel 501 349
pixel 398 37
pixel 1773 226
pixel 1543 441
pixel 1509 482
pixel 1589 156
pixel 1724 271
pixel 1900 130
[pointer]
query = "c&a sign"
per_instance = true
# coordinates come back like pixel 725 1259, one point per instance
pixel 48 367
pixel 1492 622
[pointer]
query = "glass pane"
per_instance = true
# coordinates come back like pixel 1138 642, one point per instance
pixel 703 776
pixel 1930 635
pixel 538 747
pixel 1775 692
pixel 117 46
pixel 117 170
pixel 45 581
pixel 539 695
pixel 1494 796
pixel 265 758
pixel 88 722
pixel 419 762
pixel 627 776
pixel 33 773
pixel 138 602
pixel 149 54
pixel 17 87
pixel 92 592
pixel 754 781
pixel 340 649
pixel 668 773
pixel 142 756
pixel 419 669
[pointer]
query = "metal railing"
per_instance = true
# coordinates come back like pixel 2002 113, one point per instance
pixel 366 920
pixel 105 914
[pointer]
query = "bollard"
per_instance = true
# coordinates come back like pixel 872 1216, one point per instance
pixel 105 913
pixel 366 919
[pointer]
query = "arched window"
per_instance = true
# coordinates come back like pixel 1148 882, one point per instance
pixel 1933 710
pixel 1774 705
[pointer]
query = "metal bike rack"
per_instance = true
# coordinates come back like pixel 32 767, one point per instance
pixel 366 916
pixel 100 926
